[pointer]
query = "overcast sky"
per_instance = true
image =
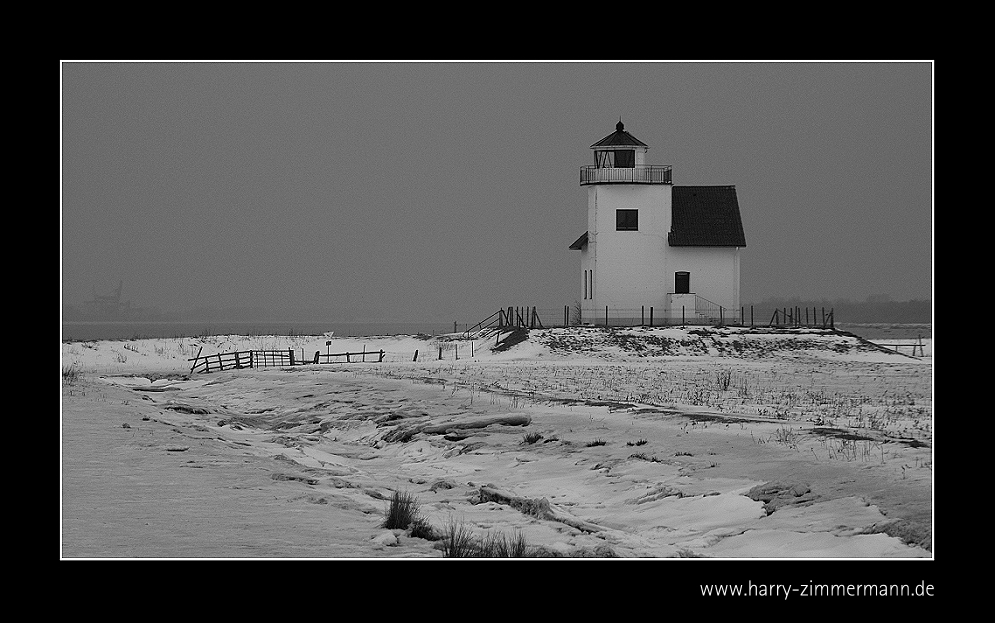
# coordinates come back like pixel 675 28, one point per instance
pixel 451 189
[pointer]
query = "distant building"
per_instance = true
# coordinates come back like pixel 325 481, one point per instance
pixel 110 308
pixel 652 244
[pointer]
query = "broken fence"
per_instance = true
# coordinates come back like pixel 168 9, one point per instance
pixel 275 358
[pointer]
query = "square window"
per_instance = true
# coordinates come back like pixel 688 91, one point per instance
pixel 627 220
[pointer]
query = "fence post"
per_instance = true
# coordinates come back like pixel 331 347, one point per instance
pixel 722 320
pixel 291 351
pixel 651 316
pixel 642 315
pixel 606 316
pixel 683 317
pixel 381 356
pixel 196 359
pixel 317 354
pixel 751 315
pixel 440 353
pixel 416 355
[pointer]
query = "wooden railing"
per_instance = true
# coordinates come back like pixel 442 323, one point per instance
pixel 511 318
pixel 916 346
pixel 494 319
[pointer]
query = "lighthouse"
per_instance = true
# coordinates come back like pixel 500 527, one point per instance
pixel 652 245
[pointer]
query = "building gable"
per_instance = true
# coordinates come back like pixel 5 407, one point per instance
pixel 580 242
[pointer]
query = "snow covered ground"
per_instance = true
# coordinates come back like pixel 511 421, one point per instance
pixel 587 442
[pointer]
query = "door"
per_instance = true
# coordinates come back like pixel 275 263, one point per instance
pixel 682 282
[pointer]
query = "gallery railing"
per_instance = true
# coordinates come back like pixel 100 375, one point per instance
pixel 641 174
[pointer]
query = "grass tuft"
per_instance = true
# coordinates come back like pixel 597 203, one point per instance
pixel 401 512
pixel 531 438
pixel 72 374
pixel 421 529
pixel 459 542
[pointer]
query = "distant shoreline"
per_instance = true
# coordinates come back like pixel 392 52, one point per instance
pixel 115 330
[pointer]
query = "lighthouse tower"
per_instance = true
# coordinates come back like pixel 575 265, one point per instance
pixel 651 244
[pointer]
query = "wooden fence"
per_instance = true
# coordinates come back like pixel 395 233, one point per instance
pixel 279 358
pixel 704 313
pixel 793 317
pixel 916 346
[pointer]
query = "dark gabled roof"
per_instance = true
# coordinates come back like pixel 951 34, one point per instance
pixel 619 137
pixel 580 242
pixel 706 216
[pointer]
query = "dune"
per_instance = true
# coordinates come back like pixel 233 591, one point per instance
pixel 584 442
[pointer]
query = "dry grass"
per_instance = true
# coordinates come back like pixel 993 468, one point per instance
pixel 401 512
pixel 72 374
pixel 460 542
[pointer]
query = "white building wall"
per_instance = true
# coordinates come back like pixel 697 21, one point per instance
pixel 630 267
pixel 635 270
pixel 714 273
pixel 586 268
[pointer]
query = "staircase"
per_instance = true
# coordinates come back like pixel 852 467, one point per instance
pixel 505 320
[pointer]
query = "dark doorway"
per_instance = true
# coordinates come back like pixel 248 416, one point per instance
pixel 682 282
pixel 625 158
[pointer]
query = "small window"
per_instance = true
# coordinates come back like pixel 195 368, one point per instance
pixel 625 158
pixel 627 220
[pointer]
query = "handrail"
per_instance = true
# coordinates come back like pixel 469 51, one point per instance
pixel 707 309
pixel 512 317
pixel 639 174
pixel 480 325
